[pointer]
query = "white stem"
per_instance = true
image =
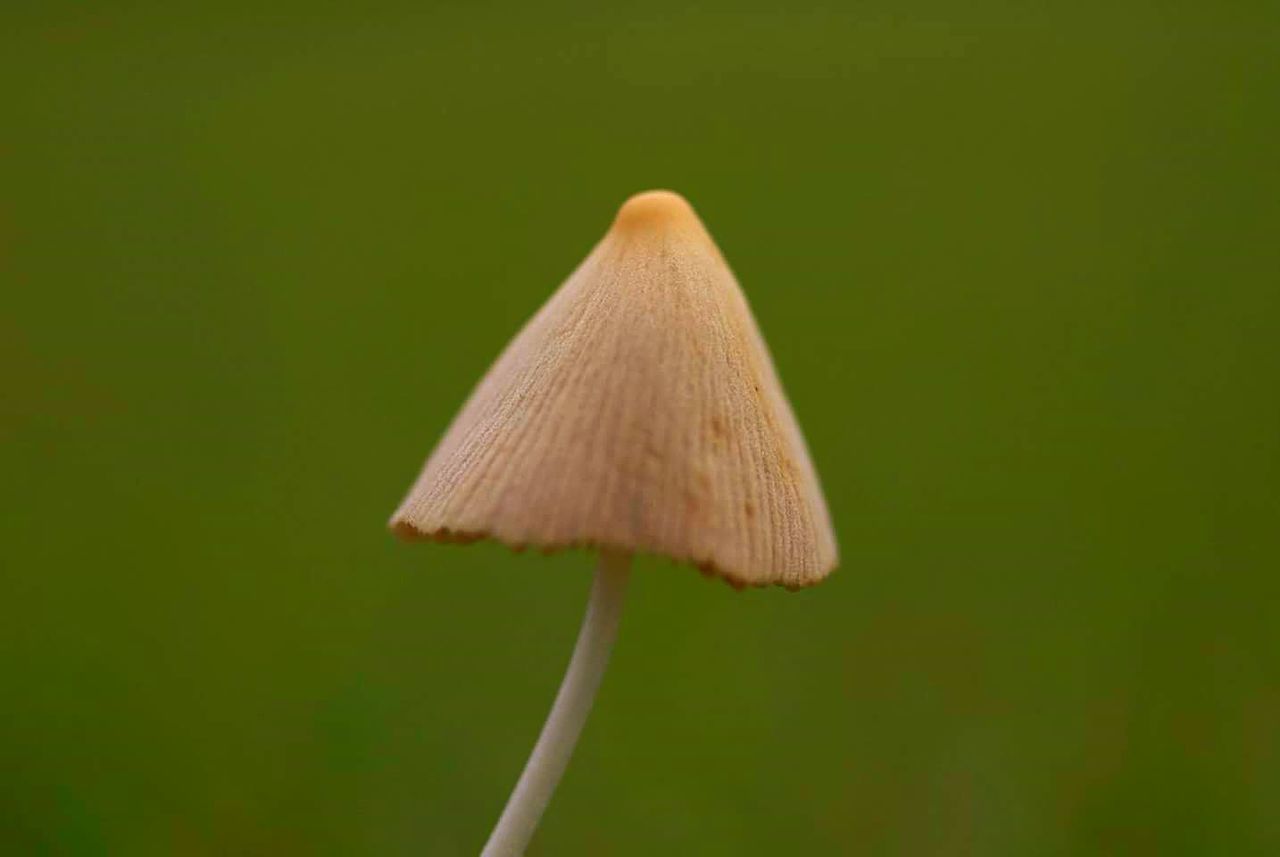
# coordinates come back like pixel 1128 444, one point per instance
pixel 573 703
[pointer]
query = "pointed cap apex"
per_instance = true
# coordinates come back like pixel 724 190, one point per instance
pixel 655 208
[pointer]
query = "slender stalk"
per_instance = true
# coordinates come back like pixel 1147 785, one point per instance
pixel 573 703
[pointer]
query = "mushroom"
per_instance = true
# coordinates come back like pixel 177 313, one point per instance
pixel 637 411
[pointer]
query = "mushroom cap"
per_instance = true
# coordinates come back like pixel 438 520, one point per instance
pixel 638 410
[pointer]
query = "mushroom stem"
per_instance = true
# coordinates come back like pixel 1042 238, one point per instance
pixel 573 703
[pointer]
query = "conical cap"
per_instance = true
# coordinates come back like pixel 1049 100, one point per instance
pixel 637 410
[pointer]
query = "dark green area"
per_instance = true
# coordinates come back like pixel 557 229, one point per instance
pixel 1019 266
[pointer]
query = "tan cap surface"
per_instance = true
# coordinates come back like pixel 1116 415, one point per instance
pixel 637 410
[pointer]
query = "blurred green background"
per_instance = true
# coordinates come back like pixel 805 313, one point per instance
pixel 1019 266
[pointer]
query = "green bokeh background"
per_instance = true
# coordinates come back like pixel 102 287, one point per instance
pixel 1019 266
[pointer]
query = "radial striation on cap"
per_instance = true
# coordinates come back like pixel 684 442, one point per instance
pixel 638 410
